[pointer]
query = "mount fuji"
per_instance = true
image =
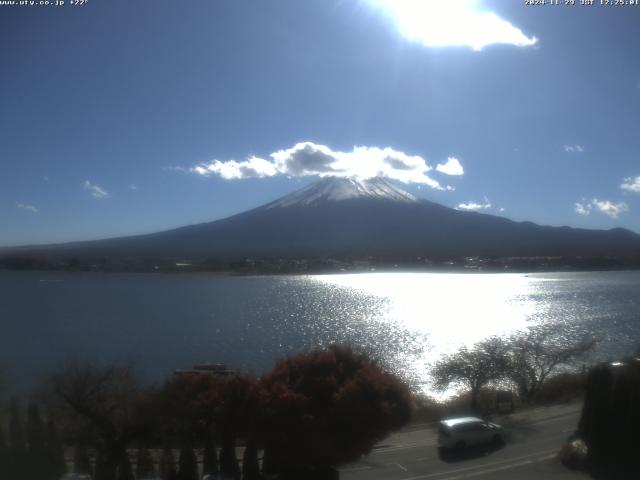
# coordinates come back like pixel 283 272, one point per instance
pixel 357 218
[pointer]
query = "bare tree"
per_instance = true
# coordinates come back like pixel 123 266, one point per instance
pixel 473 367
pixel 105 408
pixel 533 355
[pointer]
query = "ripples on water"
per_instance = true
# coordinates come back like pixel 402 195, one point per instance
pixel 407 320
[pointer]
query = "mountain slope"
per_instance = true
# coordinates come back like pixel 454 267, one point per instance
pixel 338 216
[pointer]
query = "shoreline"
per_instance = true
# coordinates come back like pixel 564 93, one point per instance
pixel 229 274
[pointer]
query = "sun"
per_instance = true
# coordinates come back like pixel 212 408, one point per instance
pixel 451 23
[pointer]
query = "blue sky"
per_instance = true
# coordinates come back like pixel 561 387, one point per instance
pixel 122 117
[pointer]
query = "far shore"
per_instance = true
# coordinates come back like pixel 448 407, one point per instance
pixel 322 272
pixel 293 263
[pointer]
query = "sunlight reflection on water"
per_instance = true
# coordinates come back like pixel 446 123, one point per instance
pixel 447 310
pixel 452 309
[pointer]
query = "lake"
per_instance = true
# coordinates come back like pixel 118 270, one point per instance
pixel 408 320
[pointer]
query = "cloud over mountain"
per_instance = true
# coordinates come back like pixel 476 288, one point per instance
pixel 607 207
pixel 610 209
pixel 583 209
pixel 311 159
pixel 474 207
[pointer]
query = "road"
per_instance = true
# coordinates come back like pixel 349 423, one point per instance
pixel 532 442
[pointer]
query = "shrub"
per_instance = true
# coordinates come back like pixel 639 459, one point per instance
pixel 610 418
pixel 328 407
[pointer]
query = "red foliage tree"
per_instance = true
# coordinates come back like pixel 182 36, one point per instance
pixel 186 408
pixel 200 406
pixel 329 407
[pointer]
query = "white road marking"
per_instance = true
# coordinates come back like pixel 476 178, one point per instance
pixel 356 469
pixel 510 464
pixel 404 447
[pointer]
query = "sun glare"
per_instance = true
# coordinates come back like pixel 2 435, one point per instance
pixel 451 23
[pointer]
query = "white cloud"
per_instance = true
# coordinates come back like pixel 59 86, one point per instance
pixel 445 23
pixel 631 184
pixel 607 207
pixel 583 209
pixel 27 207
pixel 573 148
pixel 473 206
pixel 451 167
pixel 613 210
pixel 96 190
pixel 310 159
pixel 253 167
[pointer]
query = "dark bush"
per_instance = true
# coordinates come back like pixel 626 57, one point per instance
pixel 81 461
pixel 210 456
pixel 187 464
pixel 55 451
pixel 563 387
pixel 167 465
pixel 125 472
pixel 144 464
pixel 610 419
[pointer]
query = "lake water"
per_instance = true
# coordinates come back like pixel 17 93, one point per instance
pixel 163 322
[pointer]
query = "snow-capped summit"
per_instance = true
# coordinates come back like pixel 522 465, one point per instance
pixel 343 217
pixel 339 188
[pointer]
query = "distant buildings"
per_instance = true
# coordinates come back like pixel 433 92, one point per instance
pixel 213 369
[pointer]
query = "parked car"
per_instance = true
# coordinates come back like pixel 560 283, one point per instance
pixel 461 432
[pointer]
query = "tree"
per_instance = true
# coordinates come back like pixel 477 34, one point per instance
pixel 200 407
pixel 474 368
pixel 187 464
pixel 105 407
pixel 185 405
pixel 610 418
pixel 533 355
pixel 125 472
pixel 210 456
pixel 102 470
pixel 81 461
pixel 144 464
pixel 326 408
pixel 37 441
pixel 250 465
pixel 233 404
pixel 4 455
pixel 55 450
pixel 167 465
pixel 17 447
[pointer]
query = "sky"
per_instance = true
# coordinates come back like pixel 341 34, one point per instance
pixel 121 117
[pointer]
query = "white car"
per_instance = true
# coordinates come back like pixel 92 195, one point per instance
pixel 461 432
